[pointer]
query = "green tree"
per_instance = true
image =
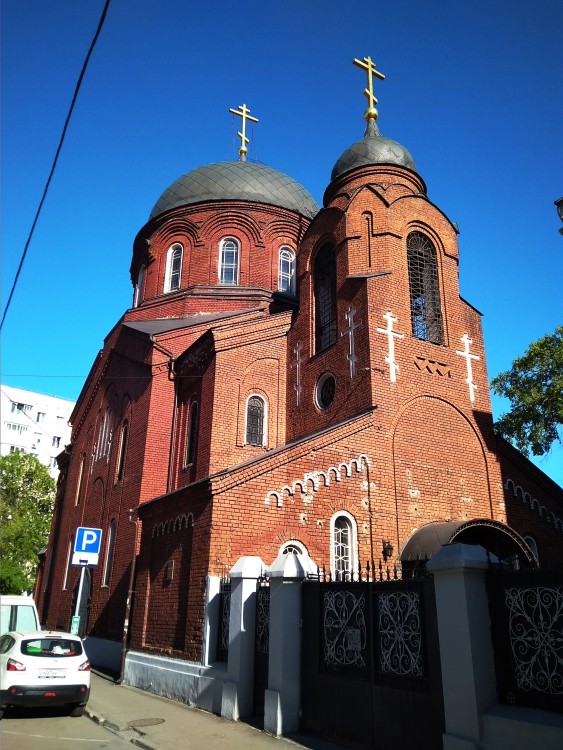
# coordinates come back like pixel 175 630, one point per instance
pixel 27 496
pixel 534 386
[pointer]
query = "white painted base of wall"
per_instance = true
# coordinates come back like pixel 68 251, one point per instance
pixel 103 653
pixel 183 681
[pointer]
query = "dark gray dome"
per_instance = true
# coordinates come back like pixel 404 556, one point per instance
pixel 237 181
pixel 372 149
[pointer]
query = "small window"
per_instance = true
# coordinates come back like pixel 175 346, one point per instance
pixel 173 268
pixel 40 417
pixel 324 280
pixel 286 272
pixel 343 531
pixel 191 434
pixel 426 312
pixel 105 435
pixel 109 553
pixel 139 287
pixel 229 261
pixel 255 409
pixel 122 449
pixel 56 442
pixel 293 547
pixel 325 390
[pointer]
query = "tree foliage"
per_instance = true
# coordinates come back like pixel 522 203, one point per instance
pixel 27 498
pixel 534 386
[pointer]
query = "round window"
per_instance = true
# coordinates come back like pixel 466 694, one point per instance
pixel 326 388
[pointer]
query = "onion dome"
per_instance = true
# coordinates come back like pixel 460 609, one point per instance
pixel 237 181
pixel 372 149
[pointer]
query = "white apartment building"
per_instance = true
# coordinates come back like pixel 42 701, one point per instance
pixel 34 423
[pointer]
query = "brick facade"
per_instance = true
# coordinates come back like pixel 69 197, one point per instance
pixel 405 439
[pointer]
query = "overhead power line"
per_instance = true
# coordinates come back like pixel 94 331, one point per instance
pixel 55 160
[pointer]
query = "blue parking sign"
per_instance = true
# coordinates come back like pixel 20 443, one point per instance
pixel 87 544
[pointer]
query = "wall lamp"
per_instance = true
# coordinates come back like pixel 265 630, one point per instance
pixel 387 549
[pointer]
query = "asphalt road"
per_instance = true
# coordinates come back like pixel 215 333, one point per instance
pixel 54 729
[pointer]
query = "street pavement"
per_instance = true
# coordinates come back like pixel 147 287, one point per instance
pixel 155 723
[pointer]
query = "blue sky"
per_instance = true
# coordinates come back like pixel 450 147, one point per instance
pixel 472 89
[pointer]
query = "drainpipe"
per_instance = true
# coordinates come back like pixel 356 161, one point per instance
pixel 130 593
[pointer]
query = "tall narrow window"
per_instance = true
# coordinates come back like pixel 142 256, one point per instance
pixel 80 480
pixel 324 276
pixel 139 287
pixel 286 272
pixel 109 553
pixel 426 312
pixel 343 545
pixel 173 268
pixel 68 561
pixel 191 434
pixel 229 261
pixel 105 435
pixel 122 448
pixel 255 421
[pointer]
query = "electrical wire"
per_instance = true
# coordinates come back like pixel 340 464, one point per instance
pixel 55 160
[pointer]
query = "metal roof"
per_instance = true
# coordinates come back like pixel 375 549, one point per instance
pixel 240 181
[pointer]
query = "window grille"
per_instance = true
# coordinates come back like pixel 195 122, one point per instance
pixel 255 421
pixel 191 434
pixel 325 298
pixel 342 548
pixel 228 262
pixel 426 312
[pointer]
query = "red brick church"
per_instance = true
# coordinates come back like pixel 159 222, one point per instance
pixel 289 378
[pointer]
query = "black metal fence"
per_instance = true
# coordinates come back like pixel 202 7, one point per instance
pixel 371 669
pixel 526 608
pixel 224 616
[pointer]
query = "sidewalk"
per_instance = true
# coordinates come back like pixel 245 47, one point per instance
pixel 154 723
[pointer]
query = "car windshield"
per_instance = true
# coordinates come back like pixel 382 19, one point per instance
pixel 49 647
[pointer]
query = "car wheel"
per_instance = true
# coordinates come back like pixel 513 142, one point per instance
pixel 2 713
pixel 77 710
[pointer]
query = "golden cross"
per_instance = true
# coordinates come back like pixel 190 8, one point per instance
pixel 243 112
pixel 368 65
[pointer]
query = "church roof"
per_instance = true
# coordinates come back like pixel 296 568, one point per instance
pixel 239 181
pixel 372 149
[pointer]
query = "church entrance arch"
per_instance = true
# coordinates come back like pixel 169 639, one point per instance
pixel 496 537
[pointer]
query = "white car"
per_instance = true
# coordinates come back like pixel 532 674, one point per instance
pixel 43 668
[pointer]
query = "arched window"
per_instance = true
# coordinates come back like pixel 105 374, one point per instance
pixel 140 287
pixel 105 435
pixel 255 413
pixel 293 547
pixel 533 545
pixel 191 433
pixel 426 312
pixel 324 279
pixel 286 271
pixel 122 448
pixel 343 546
pixel 173 268
pixel 80 480
pixel 109 553
pixel 229 261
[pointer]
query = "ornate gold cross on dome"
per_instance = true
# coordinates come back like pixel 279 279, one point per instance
pixel 243 112
pixel 368 65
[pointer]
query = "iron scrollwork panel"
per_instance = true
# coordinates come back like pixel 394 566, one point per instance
pixel 400 634
pixel 535 626
pixel 263 620
pixel 344 628
pixel 224 617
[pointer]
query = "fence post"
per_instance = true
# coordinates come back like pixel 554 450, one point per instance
pixel 237 696
pixel 466 650
pixel 283 697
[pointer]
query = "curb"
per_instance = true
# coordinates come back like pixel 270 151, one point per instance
pixel 131 735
